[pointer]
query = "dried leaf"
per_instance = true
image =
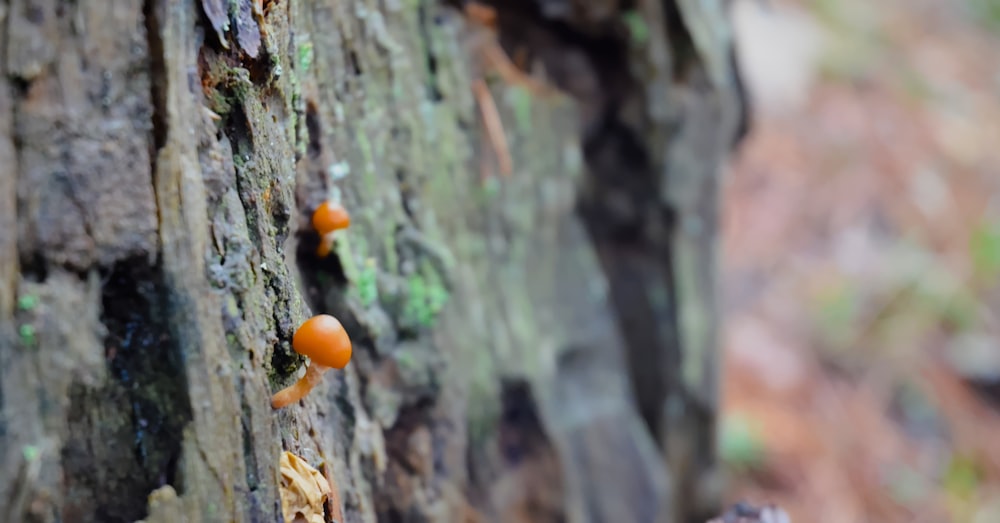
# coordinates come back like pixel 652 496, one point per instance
pixel 303 490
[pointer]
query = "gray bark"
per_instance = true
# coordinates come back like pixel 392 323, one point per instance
pixel 539 347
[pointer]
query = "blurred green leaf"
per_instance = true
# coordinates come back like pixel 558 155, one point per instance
pixel 962 477
pixel 838 309
pixel 740 445
pixel 986 12
pixel 985 249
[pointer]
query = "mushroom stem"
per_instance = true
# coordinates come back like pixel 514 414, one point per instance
pixel 293 393
pixel 325 245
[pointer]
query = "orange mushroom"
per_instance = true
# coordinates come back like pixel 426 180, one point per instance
pixel 326 219
pixel 323 339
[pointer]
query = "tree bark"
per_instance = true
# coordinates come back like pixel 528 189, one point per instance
pixel 532 347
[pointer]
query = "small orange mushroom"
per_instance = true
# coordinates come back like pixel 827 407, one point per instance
pixel 323 339
pixel 326 219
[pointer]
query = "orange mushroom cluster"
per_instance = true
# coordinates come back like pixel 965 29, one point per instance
pixel 328 218
pixel 325 342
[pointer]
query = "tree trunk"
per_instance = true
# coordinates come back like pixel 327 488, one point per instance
pixel 532 347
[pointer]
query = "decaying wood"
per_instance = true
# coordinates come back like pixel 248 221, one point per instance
pixel 536 347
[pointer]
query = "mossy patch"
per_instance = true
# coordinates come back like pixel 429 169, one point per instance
pixel 226 86
pixel 28 335
pixel 305 56
pixel 426 296
pixel 28 302
pixel 366 286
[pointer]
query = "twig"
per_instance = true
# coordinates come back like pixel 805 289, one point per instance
pixel 493 124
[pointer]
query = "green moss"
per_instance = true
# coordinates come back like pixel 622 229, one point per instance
pixel 426 296
pixel 238 81
pixel 219 103
pixel 305 56
pixel 29 337
pixel 437 298
pixel 416 305
pixel 519 100
pixel 349 248
pixel 405 360
pixel 231 86
pixel 637 28
pixel 30 453
pixel 27 302
pixel 366 285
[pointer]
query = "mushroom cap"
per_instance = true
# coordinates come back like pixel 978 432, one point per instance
pixel 329 217
pixel 323 339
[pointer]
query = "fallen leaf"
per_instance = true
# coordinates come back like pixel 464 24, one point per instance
pixel 303 490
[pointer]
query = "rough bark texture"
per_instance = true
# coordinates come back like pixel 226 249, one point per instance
pixel 532 348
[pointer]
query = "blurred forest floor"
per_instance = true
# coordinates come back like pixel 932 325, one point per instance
pixel 861 268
